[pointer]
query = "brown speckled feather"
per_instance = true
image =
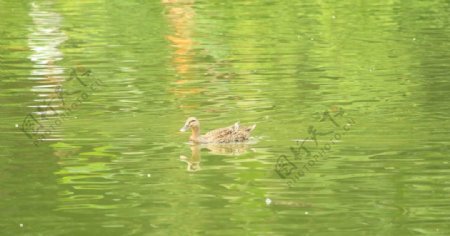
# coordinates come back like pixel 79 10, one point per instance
pixel 234 133
pixel 231 134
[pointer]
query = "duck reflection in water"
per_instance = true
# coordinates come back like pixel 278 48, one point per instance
pixel 233 149
pixel 193 163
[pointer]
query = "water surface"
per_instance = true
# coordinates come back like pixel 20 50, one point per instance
pixel 111 83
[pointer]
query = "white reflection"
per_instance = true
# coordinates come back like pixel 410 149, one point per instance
pixel 43 40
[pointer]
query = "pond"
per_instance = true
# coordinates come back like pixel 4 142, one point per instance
pixel 350 101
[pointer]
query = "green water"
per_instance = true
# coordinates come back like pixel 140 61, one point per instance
pixel 109 160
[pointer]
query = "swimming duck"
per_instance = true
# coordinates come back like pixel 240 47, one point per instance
pixel 230 134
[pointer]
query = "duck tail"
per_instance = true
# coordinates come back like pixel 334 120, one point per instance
pixel 236 126
pixel 251 128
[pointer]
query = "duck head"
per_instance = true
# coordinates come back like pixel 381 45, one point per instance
pixel 191 123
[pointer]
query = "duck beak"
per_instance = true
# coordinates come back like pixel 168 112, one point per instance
pixel 184 128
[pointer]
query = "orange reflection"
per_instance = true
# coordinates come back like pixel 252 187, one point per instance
pixel 181 17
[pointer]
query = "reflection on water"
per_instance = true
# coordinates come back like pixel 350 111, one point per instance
pixel 193 162
pixel 114 167
pixel 227 149
pixel 44 41
pixel 180 14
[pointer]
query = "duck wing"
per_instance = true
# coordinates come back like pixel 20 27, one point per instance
pixel 221 133
pixel 234 133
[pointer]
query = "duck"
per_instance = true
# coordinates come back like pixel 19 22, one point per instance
pixel 231 134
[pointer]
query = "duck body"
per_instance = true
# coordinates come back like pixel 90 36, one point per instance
pixel 231 134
